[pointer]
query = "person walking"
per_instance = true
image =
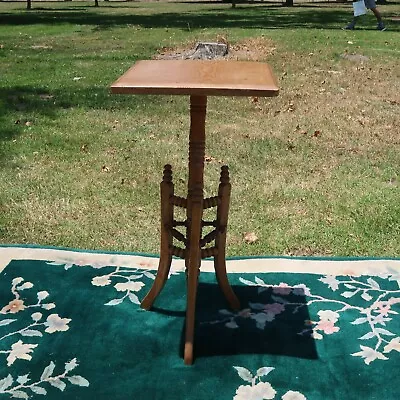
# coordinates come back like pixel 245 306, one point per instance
pixel 370 4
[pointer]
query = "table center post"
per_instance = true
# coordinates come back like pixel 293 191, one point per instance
pixel 198 107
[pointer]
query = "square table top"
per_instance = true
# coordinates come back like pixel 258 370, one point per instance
pixel 198 77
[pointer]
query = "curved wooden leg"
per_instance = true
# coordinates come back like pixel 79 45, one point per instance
pixel 224 193
pixel 167 217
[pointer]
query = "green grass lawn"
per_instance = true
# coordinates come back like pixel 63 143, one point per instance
pixel 315 171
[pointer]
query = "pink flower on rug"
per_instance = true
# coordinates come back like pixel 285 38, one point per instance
pixel 274 308
pixel 55 323
pixel 146 264
pixel 131 286
pixel 382 308
pixel 21 351
pixel 13 307
pixel 328 327
pixel 101 280
pixel 245 313
pixel 328 315
pixel 261 391
pixel 283 289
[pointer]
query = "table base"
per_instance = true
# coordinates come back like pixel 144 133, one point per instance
pixel 195 245
pixel 169 232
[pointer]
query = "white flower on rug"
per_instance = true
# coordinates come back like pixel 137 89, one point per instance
pixel 21 351
pixel 55 323
pixel 290 395
pixel 129 286
pixel 259 390
pixel 394 344
pixel 369 354
pixel 101 280
pixel 331 281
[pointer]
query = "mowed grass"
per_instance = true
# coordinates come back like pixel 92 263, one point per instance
pixel 315 171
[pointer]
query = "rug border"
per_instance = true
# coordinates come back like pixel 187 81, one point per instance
pixel 140 254
pixel 335 266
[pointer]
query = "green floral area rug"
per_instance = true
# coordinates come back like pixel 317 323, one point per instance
pixel 317 329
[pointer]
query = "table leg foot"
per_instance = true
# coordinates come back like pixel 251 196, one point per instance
pixel 167 217
pixel 220 271
pixel 224 193
pixel 161 277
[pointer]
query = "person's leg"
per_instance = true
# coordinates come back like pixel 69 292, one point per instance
pixel 371 4
pixel 352 24
pixel 377 14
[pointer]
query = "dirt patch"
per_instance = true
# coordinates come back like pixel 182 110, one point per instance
pixel 252 49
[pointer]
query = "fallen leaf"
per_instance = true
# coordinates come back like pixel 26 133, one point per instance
pixel 104 168
pixel 28 123
pixel 291 107
pixel 209 158
pixel 316 133
pixel 250 237
pixel 84 148
pixel 290 146
pixel 301 131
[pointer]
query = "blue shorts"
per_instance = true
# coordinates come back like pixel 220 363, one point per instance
pixel 370 4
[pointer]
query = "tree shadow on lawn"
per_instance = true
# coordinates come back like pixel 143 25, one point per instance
pixel 23 106
pixel 259 17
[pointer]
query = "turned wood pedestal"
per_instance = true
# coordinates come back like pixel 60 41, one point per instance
pixel 198 79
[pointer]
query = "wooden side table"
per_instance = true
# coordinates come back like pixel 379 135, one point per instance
pixel 198 79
